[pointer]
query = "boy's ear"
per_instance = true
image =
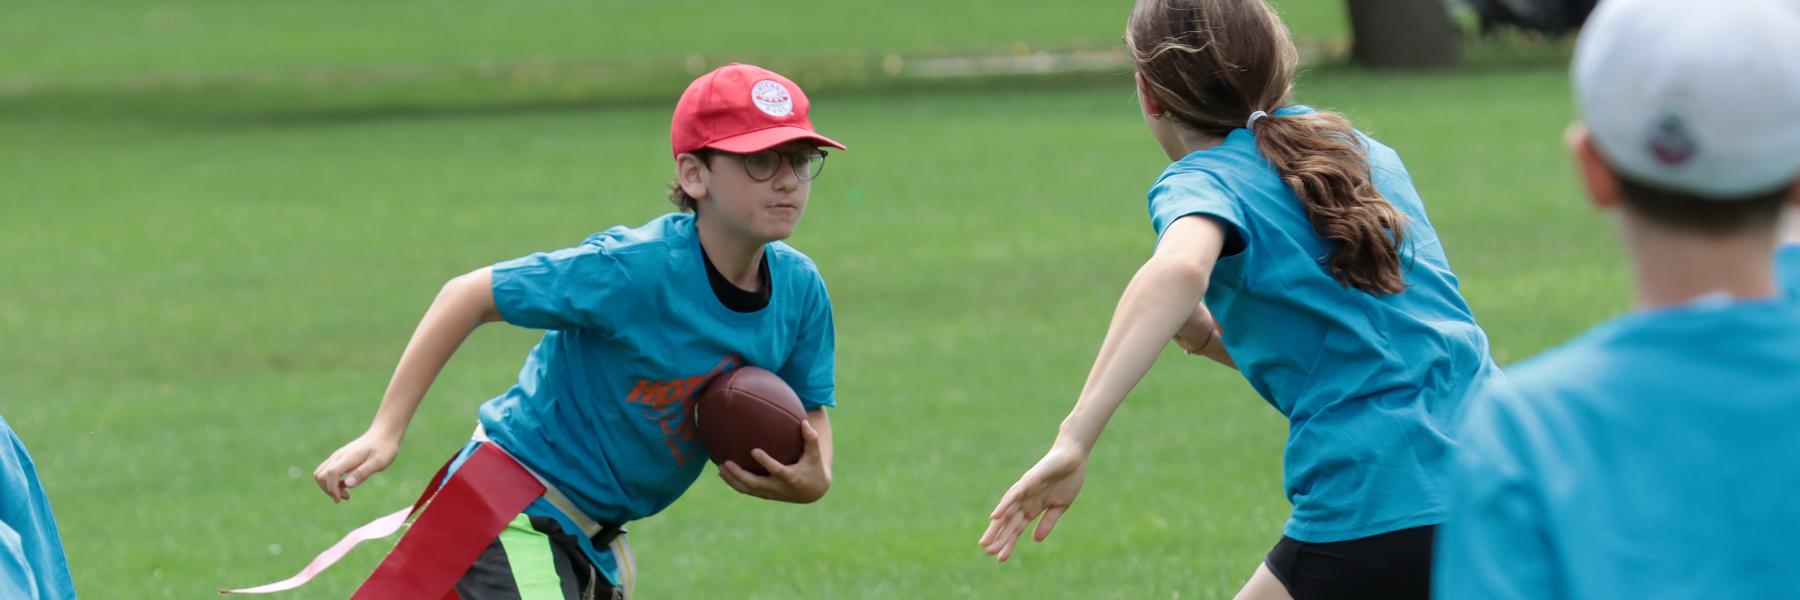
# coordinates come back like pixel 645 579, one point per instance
pixel 1146 100
pixel 1598 177
pixel 691 174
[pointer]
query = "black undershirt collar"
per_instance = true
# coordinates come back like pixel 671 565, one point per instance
pixel 733 297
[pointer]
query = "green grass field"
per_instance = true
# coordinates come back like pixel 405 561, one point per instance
pixel 112 42
pixel 198 307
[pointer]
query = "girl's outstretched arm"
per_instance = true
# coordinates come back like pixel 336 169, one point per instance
pixel 1200 337
pixel 462 305
pixel 1159 299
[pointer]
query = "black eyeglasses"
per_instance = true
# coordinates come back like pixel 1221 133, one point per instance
pixel 762 166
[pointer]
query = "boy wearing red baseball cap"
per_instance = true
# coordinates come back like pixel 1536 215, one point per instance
pixel 596 432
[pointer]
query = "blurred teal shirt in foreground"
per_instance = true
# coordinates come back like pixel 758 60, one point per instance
pixel 1372 385
pixel 1655 456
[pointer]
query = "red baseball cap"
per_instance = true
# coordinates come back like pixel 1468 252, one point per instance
pixel 741 109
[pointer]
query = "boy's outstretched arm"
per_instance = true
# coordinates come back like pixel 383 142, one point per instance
pixel 464 303
pixel 800 483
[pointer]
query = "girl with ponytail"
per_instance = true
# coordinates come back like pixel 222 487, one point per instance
pixel 1294 248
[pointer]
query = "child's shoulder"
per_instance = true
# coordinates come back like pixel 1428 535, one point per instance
pixel 655 236
pixel 1380 155
pixel 789 259
pixel 1595 356
pixel 1653 349
pixel 792 254
pixel 1573 362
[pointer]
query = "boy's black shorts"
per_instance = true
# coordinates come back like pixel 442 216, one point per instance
pixel 535 559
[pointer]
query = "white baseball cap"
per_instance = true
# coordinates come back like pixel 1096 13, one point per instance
pixel 1695 97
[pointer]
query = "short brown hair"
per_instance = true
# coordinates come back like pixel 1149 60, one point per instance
pixel 1703 214
pixel 680 197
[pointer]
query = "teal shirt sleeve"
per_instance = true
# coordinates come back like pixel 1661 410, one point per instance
pixel 16 579
pixel 1787 270
pixel 584 287
pixel 31 552
pixel 1494 544
pixel 1197 193
pixel 811 369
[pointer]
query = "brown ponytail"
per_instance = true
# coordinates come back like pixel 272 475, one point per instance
pixel 1320 157
pixel 1211 63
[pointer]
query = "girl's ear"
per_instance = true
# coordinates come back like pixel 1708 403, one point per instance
pixel 1146 100
pixel 691 174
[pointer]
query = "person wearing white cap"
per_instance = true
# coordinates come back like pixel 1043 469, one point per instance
pixel 1656 455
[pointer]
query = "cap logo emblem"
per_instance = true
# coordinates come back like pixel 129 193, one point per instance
pixel 772 98
pixel 1671 143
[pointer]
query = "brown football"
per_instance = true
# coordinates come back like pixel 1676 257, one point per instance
pixel 748 408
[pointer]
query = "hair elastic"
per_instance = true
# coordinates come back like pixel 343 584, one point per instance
pixel 1253 117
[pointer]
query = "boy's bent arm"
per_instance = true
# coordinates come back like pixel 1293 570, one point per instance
pixel 821 423
pixel 463 304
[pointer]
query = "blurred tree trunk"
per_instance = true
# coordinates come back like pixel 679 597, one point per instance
pixel 1403 34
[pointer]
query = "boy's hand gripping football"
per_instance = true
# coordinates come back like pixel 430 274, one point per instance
pixel 800 483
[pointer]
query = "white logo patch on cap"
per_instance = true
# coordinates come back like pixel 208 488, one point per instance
pixel 1670 143
pixel 772 98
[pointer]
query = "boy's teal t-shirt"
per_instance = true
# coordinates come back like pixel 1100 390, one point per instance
pixel 601 406
pixel 634 330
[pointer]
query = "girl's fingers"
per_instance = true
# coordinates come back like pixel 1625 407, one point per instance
pixel 996 524
pixel 1048 523
pixel 988 535
pixel 996 536
pixel 1008 500
pixel 1001 508
pixel 1007 550
pixel 1009 535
